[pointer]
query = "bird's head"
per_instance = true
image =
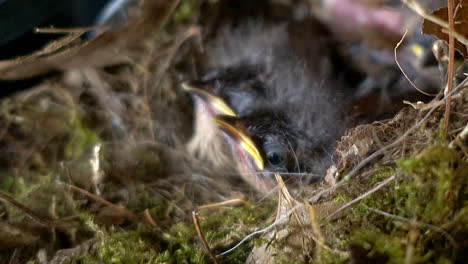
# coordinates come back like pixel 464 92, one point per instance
pixel 264 143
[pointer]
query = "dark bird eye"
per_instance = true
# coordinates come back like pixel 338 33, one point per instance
pixel 275 158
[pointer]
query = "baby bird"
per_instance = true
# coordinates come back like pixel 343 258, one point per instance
pixel 280 107
pixel 292 130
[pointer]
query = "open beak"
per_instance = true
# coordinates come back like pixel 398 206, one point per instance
pixel 211 99
pixel 228 124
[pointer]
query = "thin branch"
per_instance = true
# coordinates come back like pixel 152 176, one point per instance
pixel 450 67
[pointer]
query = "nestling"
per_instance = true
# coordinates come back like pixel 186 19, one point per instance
pixel 278 109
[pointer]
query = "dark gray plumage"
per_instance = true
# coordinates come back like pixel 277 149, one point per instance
pixel 286 94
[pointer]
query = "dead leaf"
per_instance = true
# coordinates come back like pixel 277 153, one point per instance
pixel 460 24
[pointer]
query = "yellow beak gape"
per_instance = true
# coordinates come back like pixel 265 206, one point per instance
pixel 245 142
pixel 215 101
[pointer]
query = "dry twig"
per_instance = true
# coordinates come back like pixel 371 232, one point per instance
pixel 230 202
pixel 196 223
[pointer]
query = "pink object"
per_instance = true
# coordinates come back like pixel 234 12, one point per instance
pixel 353 15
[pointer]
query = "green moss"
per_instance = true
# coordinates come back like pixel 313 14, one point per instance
pixel 284 258
pixel 380 174
pixel 122 248
pixel 41 195
pixel 431 188
pixel 328 256
pixel 239 255
pixel 81 139
pixel 222 228
pixel 436 186
pixel 6 182
pixel 182 245
pixel 145 199
pixel 381 246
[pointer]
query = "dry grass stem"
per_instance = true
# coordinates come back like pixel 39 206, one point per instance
pixel 230 202
pixel 196 223
pixel 251 235
pixel 79 30
pixel 379 186
pixel 150 220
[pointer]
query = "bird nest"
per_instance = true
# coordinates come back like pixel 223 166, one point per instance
pixel 94 169
pixel 408 132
